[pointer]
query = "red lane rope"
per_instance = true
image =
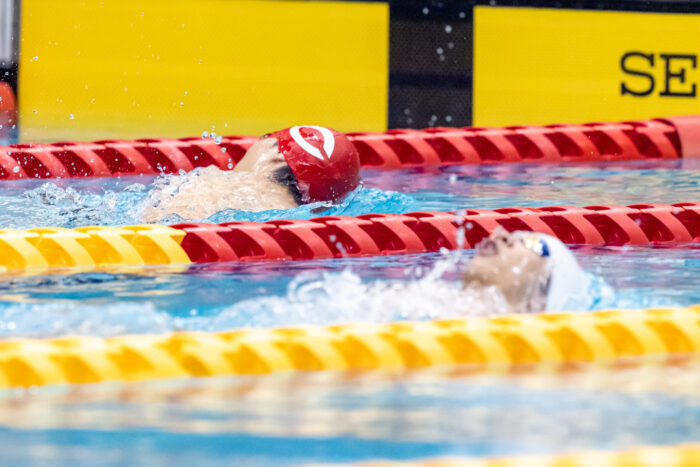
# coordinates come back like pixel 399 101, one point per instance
pixel 417 232
pixel 668 138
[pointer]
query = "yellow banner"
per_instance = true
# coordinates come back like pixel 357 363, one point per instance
pixel 538 66
pixel 94 69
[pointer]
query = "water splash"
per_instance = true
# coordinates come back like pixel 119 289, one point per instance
pixel 71 318
pixel 79 203
pixel 322 298
pixel 53 206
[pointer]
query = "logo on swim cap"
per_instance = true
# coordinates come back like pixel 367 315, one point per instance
pixel 326 136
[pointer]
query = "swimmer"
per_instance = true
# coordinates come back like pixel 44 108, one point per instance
pixel 533 272
pixel 281 170
pixel 520 272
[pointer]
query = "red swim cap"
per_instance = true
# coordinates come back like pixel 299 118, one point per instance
pixel 325 162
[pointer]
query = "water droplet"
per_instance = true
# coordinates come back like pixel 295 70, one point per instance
pixel 223 149
pixel 182 104
pixel 181 172
pixel 440 51
pixel 448 118
pixel 453 178
pixel 212 135
pixel 426 10
pixel 71 116
pixel 217 140
pixel 35 111
pixel 230 165
pixel 185 92
pixel 450 45
pixel 16 169
pixel 204 134
pixel 36 57
pixel 448 29
pixel 462 15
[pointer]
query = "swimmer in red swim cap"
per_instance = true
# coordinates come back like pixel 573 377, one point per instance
pixel 281 170
pixel 316 163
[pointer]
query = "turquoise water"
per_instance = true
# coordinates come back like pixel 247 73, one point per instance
pixel 117 201
pixel 221 296
pixel 216 297
pixel 218 422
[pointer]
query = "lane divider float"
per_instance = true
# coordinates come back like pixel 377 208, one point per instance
pixel 487 343
pixel 419 232
pixel 668 138
pixel 684 455
pixel 84 248
pixel 34 250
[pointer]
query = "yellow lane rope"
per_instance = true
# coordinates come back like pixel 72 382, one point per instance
pixel 491 343
pixel 648 456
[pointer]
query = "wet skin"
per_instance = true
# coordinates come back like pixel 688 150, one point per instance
pixel 248 187
pixel 508 262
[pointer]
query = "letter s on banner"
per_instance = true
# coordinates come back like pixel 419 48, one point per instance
pixel 624 65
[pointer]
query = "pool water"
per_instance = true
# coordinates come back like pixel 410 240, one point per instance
pixel 215 297
pixel 119 201
pixel 292 420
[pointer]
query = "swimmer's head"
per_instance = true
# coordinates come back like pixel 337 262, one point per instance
pixel 517 264
pixel 533 271
pixel 316 163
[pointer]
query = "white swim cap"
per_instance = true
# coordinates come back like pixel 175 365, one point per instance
pixel 569 285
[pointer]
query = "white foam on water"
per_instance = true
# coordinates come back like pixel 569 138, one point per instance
pixel 311 298
pixel 73 318
pixel 330 298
